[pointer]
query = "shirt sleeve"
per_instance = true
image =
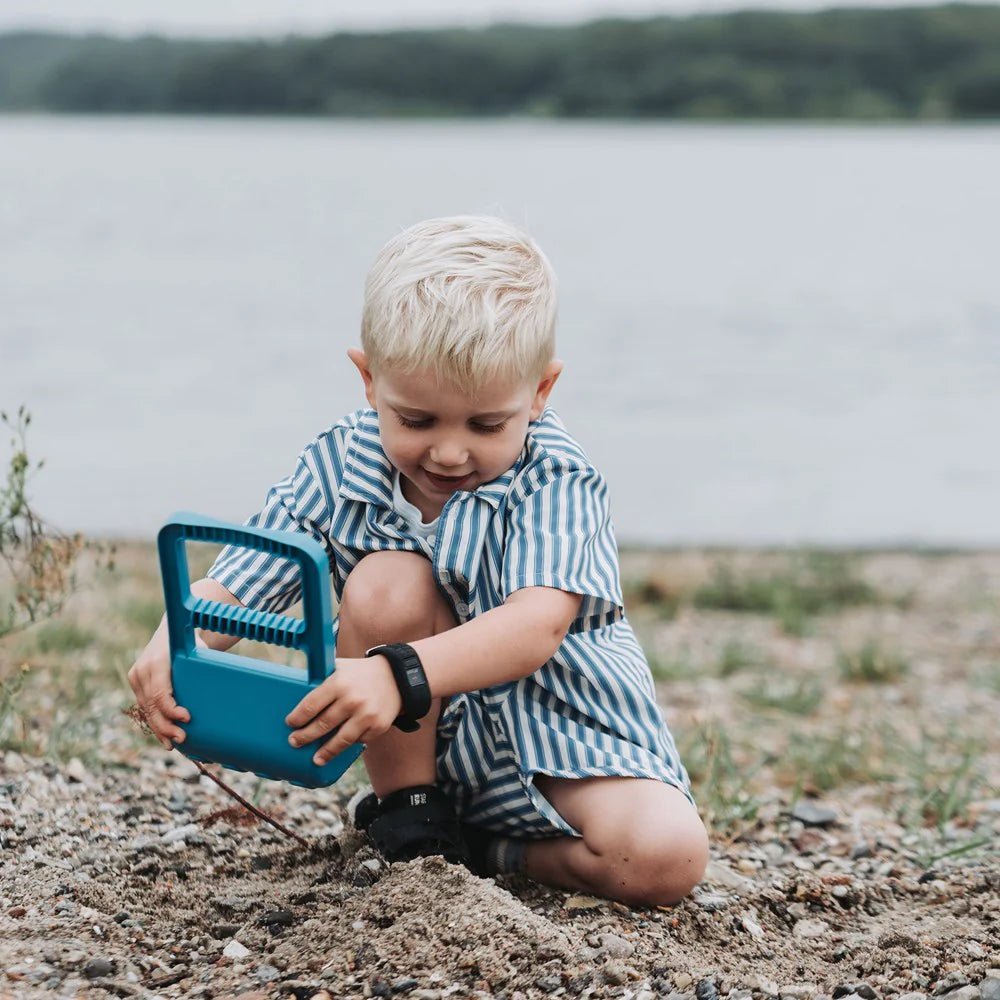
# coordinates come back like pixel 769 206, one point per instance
pixel 301 502
pixel 561 535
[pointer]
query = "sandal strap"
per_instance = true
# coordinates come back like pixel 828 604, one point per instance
pixel 417 821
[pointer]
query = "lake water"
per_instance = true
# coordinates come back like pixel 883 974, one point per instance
pixel 771 333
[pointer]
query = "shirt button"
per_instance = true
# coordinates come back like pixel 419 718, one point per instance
pixel 462 608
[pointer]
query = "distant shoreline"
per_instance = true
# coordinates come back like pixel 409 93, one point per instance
pixel 847 64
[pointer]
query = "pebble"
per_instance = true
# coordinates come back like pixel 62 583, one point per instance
pixel 964 993
pixel 224 930
pixel 581 902
pixel 712 902
pixel 989 989
pixel 17 911
pixel 911 996
pixel 798 991
pixel 739 995
pixel 75 771
pixel 97 968
pixel 813 815
pixel 180 834
pixel 810 928
pixel 236 951
pixel 615 973
pixel 615 946
pixel 267 973
pixel 682 981
pixel 705 990
pixel 277 918
pixel 751 926
pixel 861 989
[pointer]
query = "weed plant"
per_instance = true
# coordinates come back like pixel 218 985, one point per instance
pixel 796 696
pixel 810 584
pixel 871 664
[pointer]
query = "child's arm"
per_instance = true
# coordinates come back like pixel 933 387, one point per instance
pixel 150 674
pixel 501 645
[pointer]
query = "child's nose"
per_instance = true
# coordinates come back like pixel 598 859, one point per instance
pixel 449 454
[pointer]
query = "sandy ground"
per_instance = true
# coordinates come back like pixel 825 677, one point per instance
pixel 859 870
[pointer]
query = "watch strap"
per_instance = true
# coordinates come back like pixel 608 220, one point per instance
pixel 408 672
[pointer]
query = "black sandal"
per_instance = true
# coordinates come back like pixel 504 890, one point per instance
pixel 415 822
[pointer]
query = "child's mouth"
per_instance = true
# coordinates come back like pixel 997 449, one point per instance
pixel 448 482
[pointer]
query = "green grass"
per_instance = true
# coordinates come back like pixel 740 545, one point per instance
pixel 61 637
pixel 737 656
pixel 871 663
pixel 721 777
pixel 796 696
pixel 143 613
pixel 810 584
pixel 821 761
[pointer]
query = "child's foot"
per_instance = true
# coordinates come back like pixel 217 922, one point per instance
pixel 410 823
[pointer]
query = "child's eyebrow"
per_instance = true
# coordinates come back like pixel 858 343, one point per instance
pixel 414 411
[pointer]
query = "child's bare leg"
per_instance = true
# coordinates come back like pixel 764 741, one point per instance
pixel 392 597
pixel 643 842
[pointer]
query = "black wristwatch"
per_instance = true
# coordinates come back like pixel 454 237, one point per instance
pixel 411 681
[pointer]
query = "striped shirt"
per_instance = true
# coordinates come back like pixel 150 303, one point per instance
pixel 591 709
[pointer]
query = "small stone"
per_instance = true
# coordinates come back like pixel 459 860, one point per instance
pixel 403 985
pixel 762 984
pixel 180 834
pixel 859 851
pixel 372 864
pixel 723 875
pixel 911 996
pixel 224 930
pixel 711 902
pixel 739 995
pixel 645 995
pixel 810 928
pixel 261 863
pixel 615 973
pixel 705 990
pixel 989 989
pixel 75 770
pixel 17 911
pixel 813 815
pixel 267 973
pixel 798 991
pixel 751 926
pixel 615 946
pixel 964 993
pixel 581 902
pixel 747 866
pixel 97 968
pixel 548 984
pixel 236 951
pixel 682 980
pixel 277 918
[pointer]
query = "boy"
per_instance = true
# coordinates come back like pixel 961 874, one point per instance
pixel 483 657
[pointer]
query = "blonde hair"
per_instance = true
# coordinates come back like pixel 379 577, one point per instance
pixel 470 298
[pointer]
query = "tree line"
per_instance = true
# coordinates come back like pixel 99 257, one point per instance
pixel 937 62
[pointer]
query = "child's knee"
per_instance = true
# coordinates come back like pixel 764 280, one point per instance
pixel 390 590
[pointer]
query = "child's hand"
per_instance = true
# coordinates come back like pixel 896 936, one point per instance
pixel 359 701
pixel 150 680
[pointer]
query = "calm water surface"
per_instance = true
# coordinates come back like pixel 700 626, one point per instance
pixel 771 334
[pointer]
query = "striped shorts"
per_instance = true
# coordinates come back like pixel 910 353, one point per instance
pixel 488 751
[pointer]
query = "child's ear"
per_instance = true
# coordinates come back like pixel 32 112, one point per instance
pixel 548 380
pixel 360 360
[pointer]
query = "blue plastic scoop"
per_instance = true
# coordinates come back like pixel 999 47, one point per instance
pixel 238 704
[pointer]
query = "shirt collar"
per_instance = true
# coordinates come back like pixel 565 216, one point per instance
pixel 367 472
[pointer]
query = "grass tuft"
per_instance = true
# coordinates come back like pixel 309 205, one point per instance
pixel 871 664
pixel 62 637
pixel 810 584
pixel 797 696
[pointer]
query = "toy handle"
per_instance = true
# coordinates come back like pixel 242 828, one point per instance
pixel 185 612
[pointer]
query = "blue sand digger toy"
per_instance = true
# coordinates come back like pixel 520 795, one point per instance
pixel 238 704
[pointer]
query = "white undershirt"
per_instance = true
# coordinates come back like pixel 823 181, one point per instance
pixel 409 513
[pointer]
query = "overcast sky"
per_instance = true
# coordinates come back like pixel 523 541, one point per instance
pixel 268 17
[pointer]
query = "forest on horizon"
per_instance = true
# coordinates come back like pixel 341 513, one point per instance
pixel 903 63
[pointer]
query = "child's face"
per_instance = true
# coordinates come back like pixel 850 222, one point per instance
pixel 442 440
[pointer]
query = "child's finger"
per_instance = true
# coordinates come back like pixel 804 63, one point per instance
pixel 310 707
pixel 348 734
pixel 323 725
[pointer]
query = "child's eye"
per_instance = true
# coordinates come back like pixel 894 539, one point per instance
pixel 490 428
pixel 417 424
